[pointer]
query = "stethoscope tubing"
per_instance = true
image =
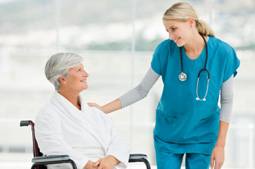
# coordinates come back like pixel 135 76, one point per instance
pixel 183 76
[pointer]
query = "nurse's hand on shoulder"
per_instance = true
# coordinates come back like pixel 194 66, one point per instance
pixel 107 163
pixel 95 105
pixel 217 157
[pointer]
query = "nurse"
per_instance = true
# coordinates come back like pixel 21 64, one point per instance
pixel 189 120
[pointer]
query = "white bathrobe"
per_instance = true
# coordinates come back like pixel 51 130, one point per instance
pixel 86 134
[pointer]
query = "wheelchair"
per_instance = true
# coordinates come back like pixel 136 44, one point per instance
pixel 40 161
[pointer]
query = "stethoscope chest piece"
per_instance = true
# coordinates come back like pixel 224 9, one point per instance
pixel 182 76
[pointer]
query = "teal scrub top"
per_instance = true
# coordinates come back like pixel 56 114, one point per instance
pixel 184 124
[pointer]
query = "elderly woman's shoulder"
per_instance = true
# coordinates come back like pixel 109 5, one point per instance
pixel 100 113
pixel 47 116
pixel 96 110
pixel 48 110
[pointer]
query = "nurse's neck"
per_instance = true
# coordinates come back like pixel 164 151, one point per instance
pixel 195 45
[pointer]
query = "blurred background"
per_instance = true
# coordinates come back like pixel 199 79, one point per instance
pixel 117 39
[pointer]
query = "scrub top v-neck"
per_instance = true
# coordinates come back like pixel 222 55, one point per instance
pixel 184 124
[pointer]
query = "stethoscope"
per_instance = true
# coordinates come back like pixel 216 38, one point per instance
pixel 183 76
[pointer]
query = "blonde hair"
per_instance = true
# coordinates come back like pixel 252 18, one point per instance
pixel 182 11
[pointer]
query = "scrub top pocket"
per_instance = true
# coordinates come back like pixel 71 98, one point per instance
pixel 207 129
pixel 165 126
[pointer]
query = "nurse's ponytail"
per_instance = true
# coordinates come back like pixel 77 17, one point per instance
pixel 182 11
pixel 203 28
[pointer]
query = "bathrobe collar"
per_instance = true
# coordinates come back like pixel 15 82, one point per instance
pixel 72 112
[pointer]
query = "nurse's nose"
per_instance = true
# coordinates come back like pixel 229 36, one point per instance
pixel 171 35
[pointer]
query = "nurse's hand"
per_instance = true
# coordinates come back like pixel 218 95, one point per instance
pixel 107 163
pixel 95 105
pixel 217 157
pixel 108 108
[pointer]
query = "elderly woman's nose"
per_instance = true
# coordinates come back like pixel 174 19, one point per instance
pixel 85 73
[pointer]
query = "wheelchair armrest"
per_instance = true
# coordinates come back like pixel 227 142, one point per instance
pixel 50 158
pixel 53 159
pixel 139 158
pixel 25 123
pixel 134 157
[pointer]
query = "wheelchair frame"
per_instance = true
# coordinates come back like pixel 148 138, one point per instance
pixel 40 161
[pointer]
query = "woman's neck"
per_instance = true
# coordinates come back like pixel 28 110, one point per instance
pixel 195 46
pixel 71 97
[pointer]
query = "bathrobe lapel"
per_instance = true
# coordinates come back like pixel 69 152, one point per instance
pixel 80 117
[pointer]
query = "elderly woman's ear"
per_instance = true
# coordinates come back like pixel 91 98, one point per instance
pixel 61 80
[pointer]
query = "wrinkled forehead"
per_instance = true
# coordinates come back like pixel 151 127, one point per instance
pixel 80 65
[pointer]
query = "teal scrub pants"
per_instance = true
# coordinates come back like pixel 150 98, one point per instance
pixel 173 161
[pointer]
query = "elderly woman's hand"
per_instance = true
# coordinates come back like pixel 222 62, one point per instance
pixel 90 165
pixel 107 163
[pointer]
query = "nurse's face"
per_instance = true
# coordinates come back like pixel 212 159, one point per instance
pixel 179 31
pixel 76 79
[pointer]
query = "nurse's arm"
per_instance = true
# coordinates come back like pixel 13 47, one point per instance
pixel 132 96
pixel 226 110
pixel 108 108
pixel 112 106
pixel 217 157
pixel 221 141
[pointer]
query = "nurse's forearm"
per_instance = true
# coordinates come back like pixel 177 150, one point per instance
pixel 135 94
pixel 112 106
pixel 141 91
pixel 226 100
pixel 222 134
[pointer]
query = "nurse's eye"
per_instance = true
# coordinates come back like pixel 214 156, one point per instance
pixel 173 29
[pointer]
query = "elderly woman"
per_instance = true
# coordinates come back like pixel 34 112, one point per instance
pixel 67 125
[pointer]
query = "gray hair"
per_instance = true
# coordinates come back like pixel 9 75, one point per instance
pixel 58 66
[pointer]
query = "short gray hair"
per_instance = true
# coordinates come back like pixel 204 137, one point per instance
pixel 58 66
